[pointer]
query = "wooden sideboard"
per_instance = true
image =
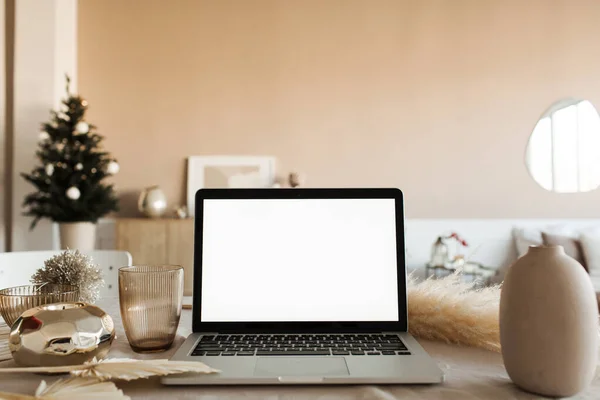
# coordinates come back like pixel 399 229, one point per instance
pixel 159 241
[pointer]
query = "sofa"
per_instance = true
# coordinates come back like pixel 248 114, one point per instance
pixel 581 244
pixel 498 243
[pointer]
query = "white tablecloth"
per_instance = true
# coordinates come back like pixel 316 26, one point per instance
pixel 470 374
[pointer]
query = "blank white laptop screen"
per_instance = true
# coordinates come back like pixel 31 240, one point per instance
pixel 268 260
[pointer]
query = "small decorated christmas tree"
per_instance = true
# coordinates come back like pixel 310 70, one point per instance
pixel 69 179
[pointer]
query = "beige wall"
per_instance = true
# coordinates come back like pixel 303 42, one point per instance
pixel 44 50
pixel 435 97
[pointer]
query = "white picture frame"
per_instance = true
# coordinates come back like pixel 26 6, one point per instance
pixel 260 172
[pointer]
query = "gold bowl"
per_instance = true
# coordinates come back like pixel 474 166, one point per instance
pixel 14 301
pixel 61 334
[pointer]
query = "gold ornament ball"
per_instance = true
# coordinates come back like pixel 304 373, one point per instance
pixel 61 334
pixel 84 103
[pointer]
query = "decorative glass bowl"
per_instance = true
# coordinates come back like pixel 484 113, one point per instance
pixel 14 301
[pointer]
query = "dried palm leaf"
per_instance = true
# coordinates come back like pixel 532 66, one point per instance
pixel 72 388
pixel 450 310
pixel 128 369
pixel 4 351
pixel 122 368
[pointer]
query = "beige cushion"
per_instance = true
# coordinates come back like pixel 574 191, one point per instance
pixel 590 244
pixel 571 245
pixel 525 237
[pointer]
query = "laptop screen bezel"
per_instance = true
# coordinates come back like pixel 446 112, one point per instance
pixel 305 326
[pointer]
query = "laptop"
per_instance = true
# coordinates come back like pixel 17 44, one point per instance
pixel 301 286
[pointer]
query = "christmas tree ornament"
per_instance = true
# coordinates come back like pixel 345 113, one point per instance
pixel 72 268
pixel 73 193
pixel 49 169
pixel 60 146
pixel 84 103
pixel 63 116
pixel 43 136
pixel 78 167
pixel 112 168
pixel 94 170
pixel 82 127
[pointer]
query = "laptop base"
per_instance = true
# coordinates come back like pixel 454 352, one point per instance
pixel 416 368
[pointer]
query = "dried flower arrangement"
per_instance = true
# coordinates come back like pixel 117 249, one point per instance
pixel 72 268
pixel 458 239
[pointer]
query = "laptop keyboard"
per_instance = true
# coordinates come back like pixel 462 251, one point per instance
pixel 301 345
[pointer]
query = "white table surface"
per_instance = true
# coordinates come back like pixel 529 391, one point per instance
pixel 470 374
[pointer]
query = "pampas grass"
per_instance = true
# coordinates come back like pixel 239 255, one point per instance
pixel 450 310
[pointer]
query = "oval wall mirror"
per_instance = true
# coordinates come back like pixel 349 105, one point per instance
pixel 563 153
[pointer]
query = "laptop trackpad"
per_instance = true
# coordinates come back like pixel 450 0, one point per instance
pixel 301 366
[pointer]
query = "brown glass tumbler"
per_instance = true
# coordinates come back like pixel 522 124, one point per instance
pixel 150 297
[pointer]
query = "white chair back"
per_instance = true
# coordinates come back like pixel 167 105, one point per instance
pixel 16 268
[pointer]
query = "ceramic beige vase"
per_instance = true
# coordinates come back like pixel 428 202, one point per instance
pixel 549 323
pixel 77 235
